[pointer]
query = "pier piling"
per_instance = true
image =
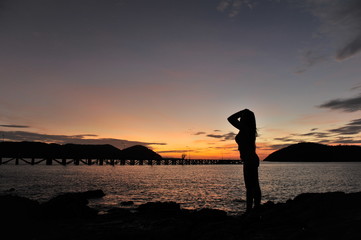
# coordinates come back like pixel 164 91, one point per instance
pixel 49 161
pixel 101 161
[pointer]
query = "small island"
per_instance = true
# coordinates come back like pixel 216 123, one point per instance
pixel 315 152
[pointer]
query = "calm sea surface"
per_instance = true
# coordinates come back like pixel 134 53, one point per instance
pixel 194 187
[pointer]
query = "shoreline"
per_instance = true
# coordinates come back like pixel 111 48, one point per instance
pixel 308 216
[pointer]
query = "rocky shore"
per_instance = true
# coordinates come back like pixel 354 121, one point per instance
pixel 333 215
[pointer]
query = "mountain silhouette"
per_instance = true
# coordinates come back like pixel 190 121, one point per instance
pixel 140 152
pixel 315 152
pixel 73 151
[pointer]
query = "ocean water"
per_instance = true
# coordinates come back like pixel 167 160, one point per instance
pixel 193 186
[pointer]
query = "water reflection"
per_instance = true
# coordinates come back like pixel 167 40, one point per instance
pixel 199 186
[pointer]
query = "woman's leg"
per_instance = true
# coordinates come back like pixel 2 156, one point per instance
pixel 249 189
pixel 253 190
pixel 257 195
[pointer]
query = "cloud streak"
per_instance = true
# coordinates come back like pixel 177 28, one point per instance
pixel 341 20
pixel 14 126
pixel 347 134
pixel 214 135
pixel 347 105
pixel 233 7
pixel 223 137
pixel 354 127
pixel 76 139
pixel 199 133
pixel 351 48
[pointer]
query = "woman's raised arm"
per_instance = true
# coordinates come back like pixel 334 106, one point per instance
pixel 234 119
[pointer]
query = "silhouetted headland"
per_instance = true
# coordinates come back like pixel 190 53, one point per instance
pixel 315 152
pixel 332 215
pixel 53 150
pixel 36 152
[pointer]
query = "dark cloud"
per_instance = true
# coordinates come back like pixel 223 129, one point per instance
pixel 233 7
pixel 354 127
pixel 286 139
pixel 356 122
pixel 325 141
pixel 77 139
pixel 199 133
pixel 346 134
pixel 173 151
pixel 353 47
pixel 224 137
pixel 315 134
pixel 275 147
pixel 313 57
pixel 349 14
pixel 341 20
pixel 85 135
pixel 356 88
pixel 340 30
pixel 300 137
pixel 347 105
pixel 214 135
pixel 345 140
pixel 14 126
pixel 229 136
pixel 222 147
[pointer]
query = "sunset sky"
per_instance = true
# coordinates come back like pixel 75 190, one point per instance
pixel 167 73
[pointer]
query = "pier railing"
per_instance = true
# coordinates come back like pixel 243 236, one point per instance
pixel 102 161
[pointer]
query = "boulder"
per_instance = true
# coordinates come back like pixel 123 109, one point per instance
pixel 127 203
pixel 17 208
pixel 69 205
pixel 160 208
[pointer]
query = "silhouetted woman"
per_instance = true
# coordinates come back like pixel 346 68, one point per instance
pixel 245 122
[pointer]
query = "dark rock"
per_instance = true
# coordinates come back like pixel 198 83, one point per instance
pixel 68 205
pixel 10 190
pixel 119 211
pixel 334 215
pixel 15 207
pixel 127 203
pixel 329 215
pixel 93 194
pixel 210 213
pixel 159 208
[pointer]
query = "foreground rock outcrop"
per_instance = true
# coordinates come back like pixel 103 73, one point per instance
pixel 334 215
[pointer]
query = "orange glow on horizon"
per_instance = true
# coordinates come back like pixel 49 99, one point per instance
pixel 225 151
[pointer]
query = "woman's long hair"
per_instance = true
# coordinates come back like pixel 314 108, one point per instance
pixel 250 120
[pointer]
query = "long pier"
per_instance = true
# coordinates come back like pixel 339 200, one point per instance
pixel 100 161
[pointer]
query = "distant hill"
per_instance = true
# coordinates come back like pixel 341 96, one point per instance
pixel 314 152
pixel 71 151
pixel 140 152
